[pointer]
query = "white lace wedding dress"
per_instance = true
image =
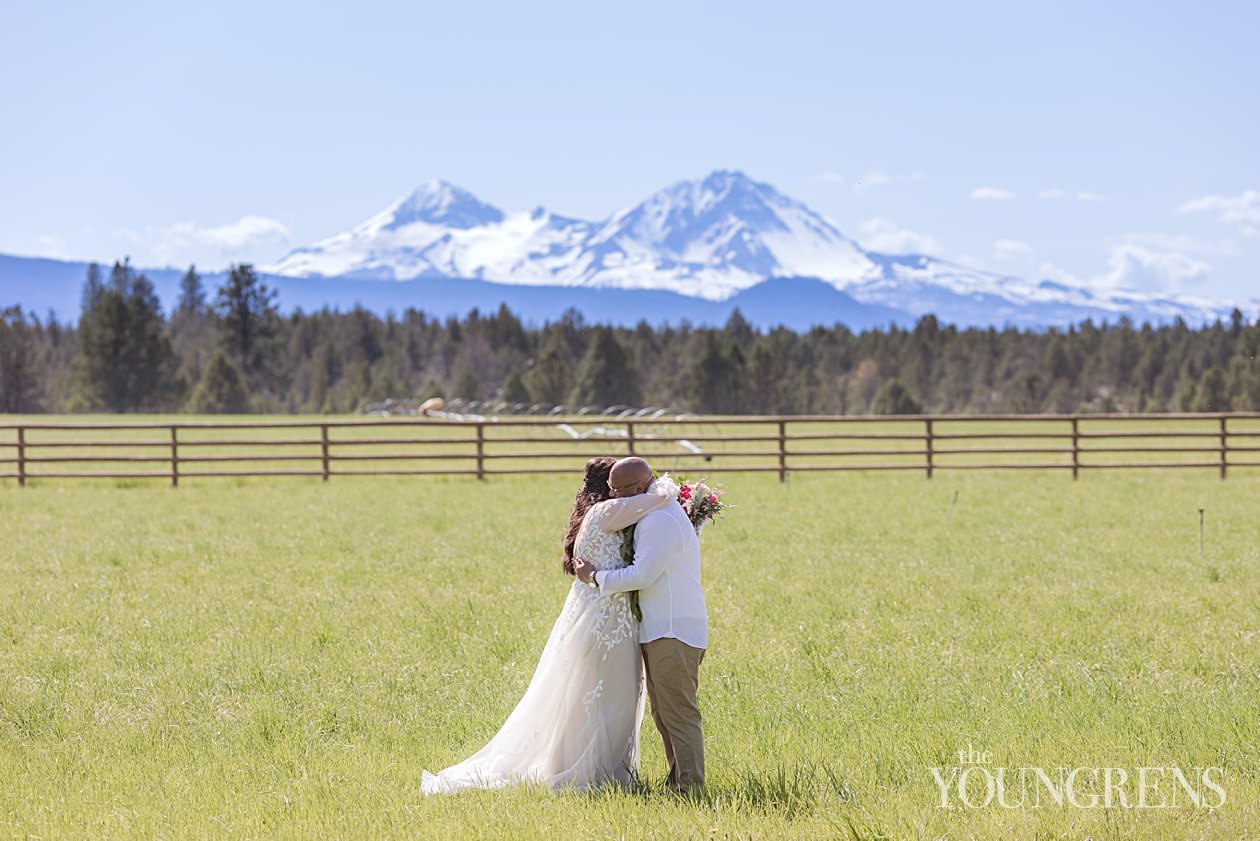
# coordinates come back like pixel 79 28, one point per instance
pixel 577 725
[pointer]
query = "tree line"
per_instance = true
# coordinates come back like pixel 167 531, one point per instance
pixel 233 351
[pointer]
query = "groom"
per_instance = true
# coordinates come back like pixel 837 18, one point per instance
pixel 674 632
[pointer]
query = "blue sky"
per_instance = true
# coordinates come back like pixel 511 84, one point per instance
pixel 1109 142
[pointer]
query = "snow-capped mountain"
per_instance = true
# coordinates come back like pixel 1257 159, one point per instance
pixel 709 239
pixel 694 251
pixel 706 239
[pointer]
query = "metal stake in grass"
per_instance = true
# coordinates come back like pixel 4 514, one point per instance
pixel 952 503
pixel 1200 532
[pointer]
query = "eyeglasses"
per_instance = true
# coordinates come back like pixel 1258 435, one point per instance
pixel 620 488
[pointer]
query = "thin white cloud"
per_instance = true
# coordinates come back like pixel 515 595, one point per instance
pixel 1150 262
pixel 229 240
pixel 1241 210
pixel 1059 274
pixel 1055 193
pixel 50 245
pixel 833 178
pixel 992 194
pixel 245 232
pixel 886 236
pixel 1008 250
pixel 879 178
pixel 871 179
pixel 1154 262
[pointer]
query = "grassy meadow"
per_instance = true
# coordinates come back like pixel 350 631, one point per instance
pixel 282 657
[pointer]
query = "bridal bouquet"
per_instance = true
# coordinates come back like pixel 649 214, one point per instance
pixel 702 502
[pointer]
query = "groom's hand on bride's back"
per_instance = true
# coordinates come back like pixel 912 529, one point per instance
pixel 583 570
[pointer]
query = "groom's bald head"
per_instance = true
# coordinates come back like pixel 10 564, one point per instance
pixel 629 477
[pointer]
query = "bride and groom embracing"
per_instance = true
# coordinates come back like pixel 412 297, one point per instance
pixel 577 726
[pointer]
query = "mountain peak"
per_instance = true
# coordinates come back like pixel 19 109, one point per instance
pixel 439 202
pixel 728 220
pixel 722 178
pixel 709 237
pixel 718 186
pixel 730 194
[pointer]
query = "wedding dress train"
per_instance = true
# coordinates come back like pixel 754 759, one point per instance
pixel 577 725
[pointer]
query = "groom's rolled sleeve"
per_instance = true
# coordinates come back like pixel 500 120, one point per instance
pixel 652 547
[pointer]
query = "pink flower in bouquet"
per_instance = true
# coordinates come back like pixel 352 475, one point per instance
pixel 700 502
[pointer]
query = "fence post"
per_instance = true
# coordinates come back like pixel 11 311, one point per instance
pixel 1076 448
pixel 21 456
pixel 630 436
pixel 481 451
pixel 928 423
pixel 174 457
pixel 1224 444
pixel 323 448
pixel 782 451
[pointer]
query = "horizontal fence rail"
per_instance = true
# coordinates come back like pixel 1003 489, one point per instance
pixel 782 445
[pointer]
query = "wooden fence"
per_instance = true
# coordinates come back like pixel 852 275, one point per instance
pixel 784 445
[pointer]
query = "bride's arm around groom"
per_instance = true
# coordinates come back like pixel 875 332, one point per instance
pixel 620 512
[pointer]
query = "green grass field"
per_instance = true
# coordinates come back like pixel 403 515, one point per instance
pixel 282 657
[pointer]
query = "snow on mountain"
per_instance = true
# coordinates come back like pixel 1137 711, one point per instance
pixel 714 237
pixel 442 231
pixel 709 239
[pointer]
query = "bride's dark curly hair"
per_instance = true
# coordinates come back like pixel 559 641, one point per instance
pixel 594 489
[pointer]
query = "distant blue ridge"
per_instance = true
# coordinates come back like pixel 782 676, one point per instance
pixel 799 303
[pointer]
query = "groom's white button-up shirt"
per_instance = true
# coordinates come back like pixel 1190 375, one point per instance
pixel 666 572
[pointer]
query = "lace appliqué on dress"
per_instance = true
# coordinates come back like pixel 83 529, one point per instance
pixel 614 623
pixel 589 699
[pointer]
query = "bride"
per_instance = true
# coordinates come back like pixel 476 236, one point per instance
pixel 577 725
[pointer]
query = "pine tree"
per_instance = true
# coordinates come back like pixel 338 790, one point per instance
pixel 606 377
pixel 767 373
pixel 322 374
pixel 1245 371
pixel 1212 394
pixel 467 385
pixel 895 399
pixel 154 382
pixel 506 331
pixel 514 390
pixel 717 378
pixel 92 287
pixel 125 360
pixel 550 379
pixel 249 323
pixel 738 329
pixel 221 390
pixel 20 372
pixel 191 328
pixel 192 295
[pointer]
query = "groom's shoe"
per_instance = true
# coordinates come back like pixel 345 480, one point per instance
pixel 693 792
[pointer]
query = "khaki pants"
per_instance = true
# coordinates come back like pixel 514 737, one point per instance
pixel 673 673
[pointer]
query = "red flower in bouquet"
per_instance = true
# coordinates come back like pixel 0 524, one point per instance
pixel 701 502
